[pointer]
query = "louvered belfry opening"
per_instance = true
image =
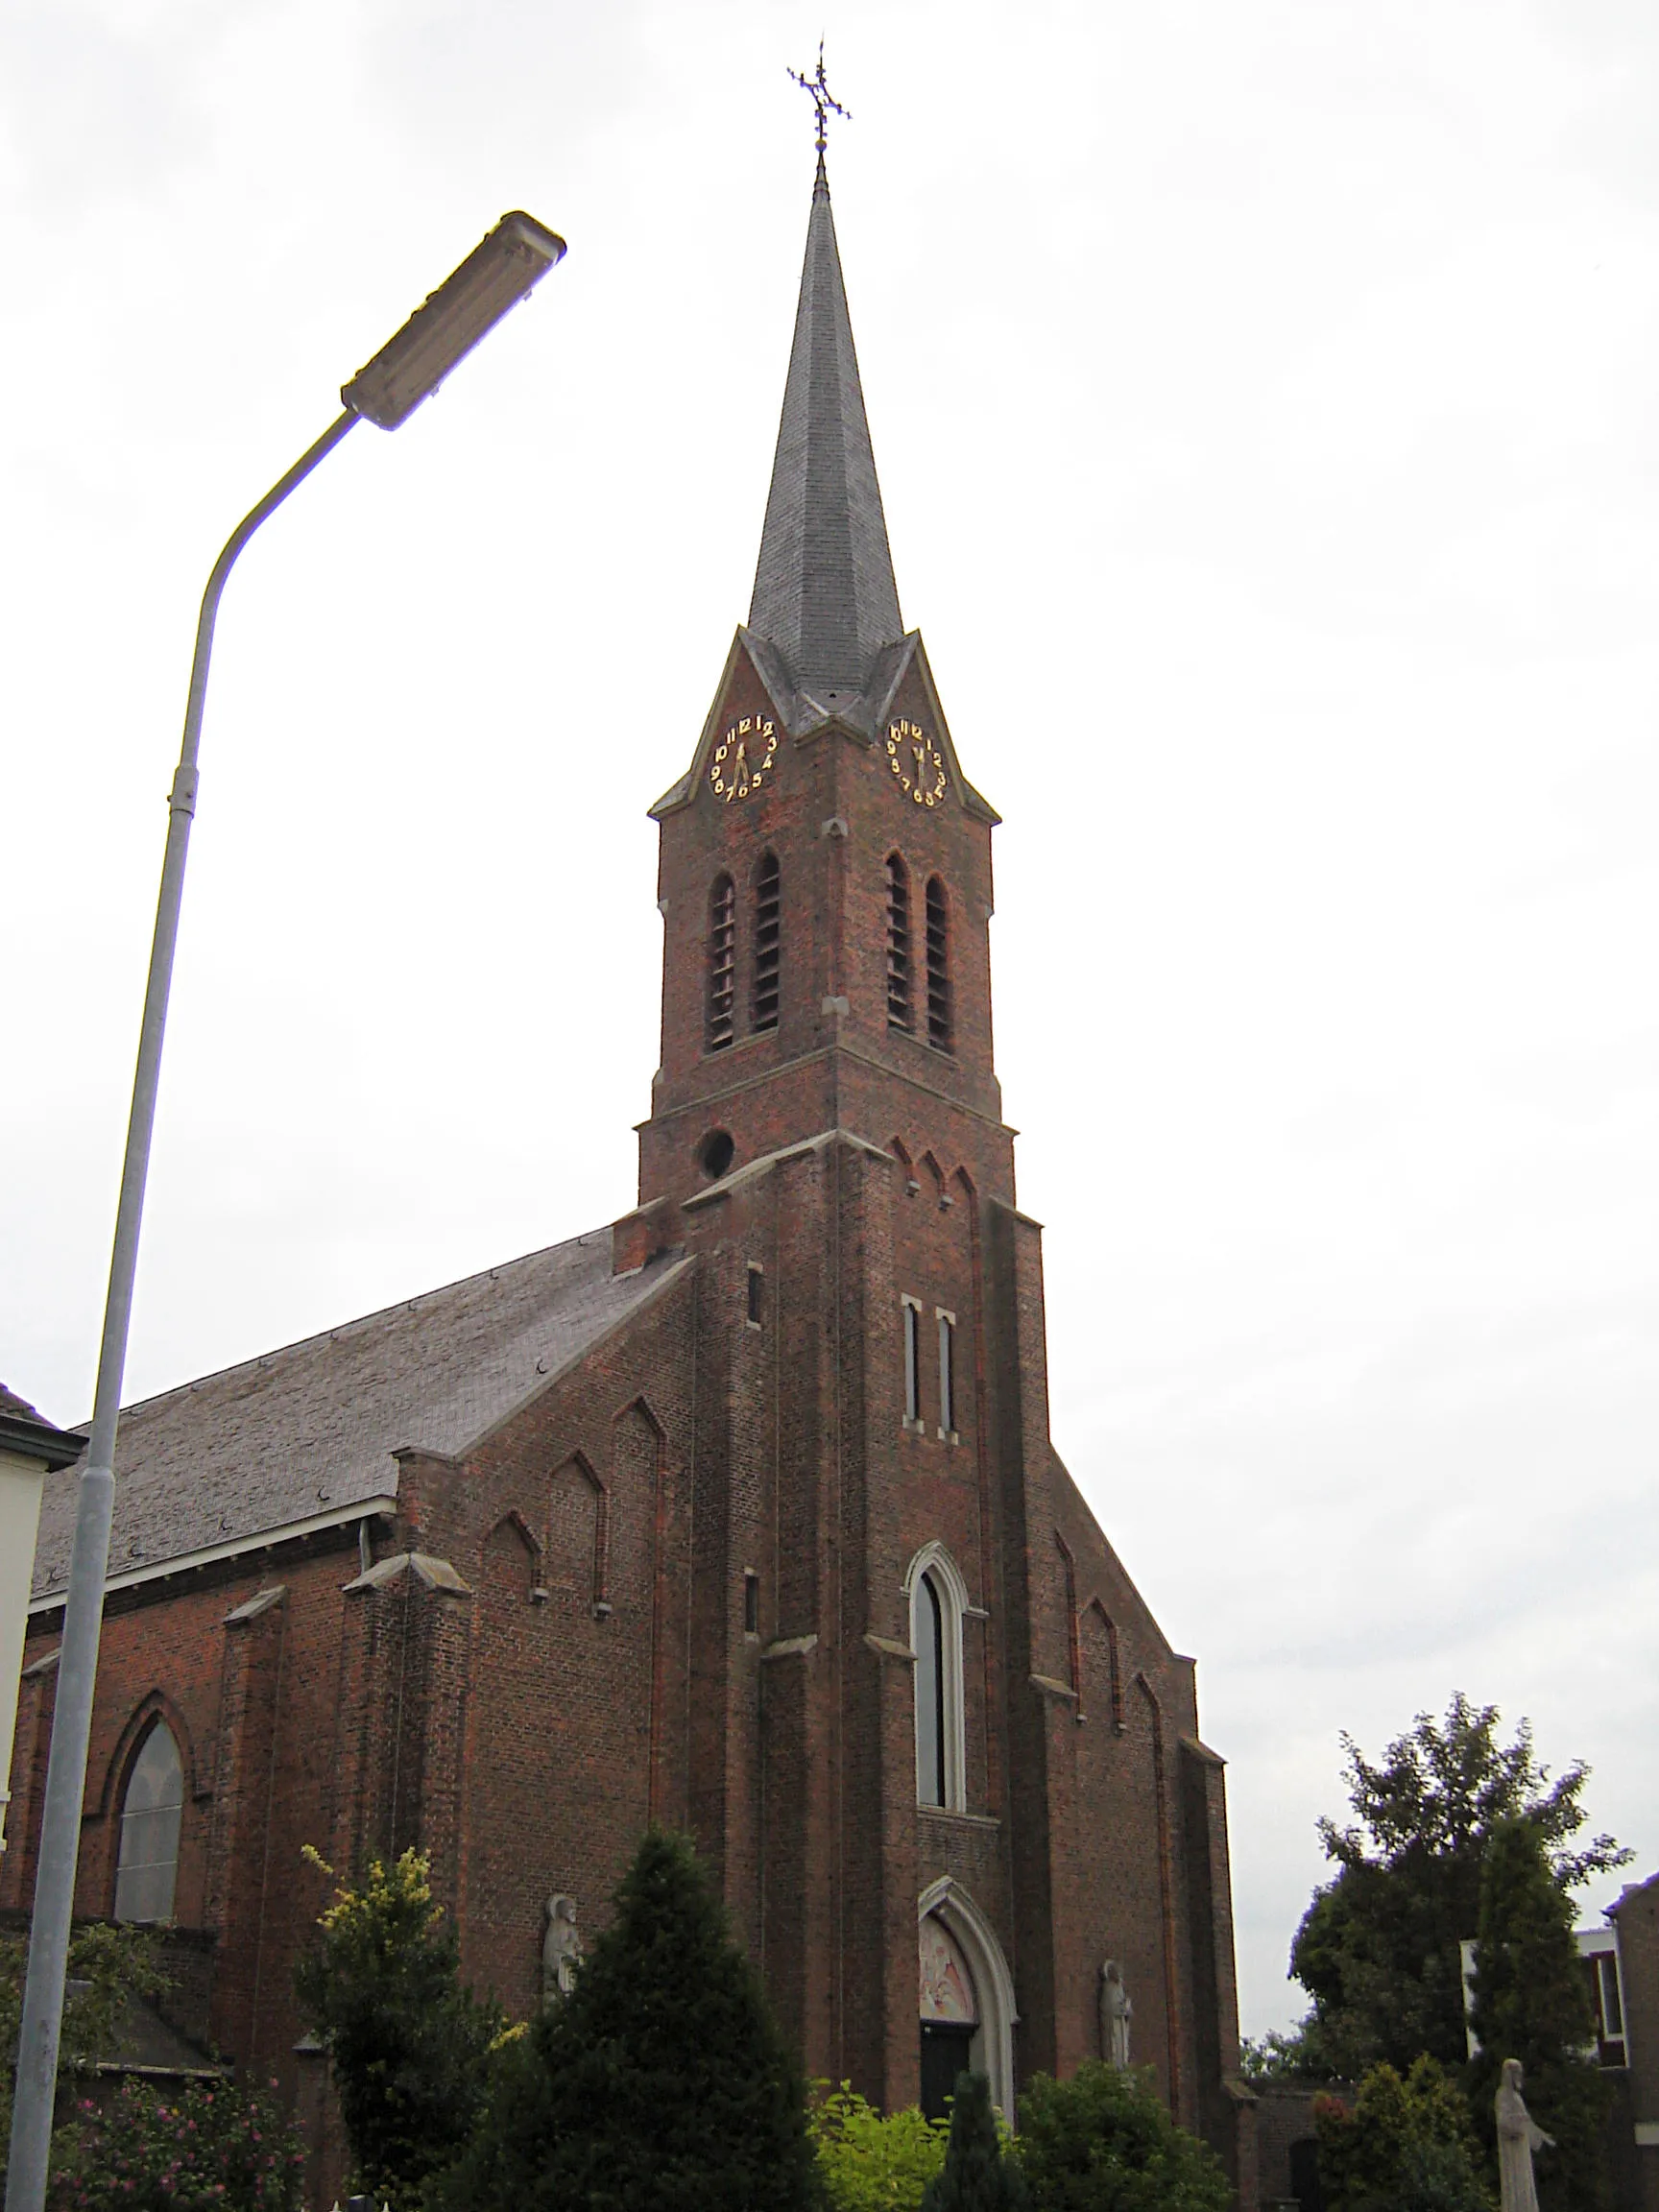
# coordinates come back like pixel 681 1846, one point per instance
pixel 768 934
pixel 900 1013
pixel 939 1024
pixel 719 1023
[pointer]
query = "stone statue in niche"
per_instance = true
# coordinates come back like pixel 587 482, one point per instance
pixel 1519 2135
pixel 1115 2014
pixel 560 1950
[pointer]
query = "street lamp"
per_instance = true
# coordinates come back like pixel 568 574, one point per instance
pixel 409 368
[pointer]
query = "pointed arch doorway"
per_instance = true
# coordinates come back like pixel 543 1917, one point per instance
pixel 966 1998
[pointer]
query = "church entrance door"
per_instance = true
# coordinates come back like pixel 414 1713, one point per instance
pixel 947 2051
pixel 949 2017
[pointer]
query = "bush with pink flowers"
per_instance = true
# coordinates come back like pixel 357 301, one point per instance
pixel 213 2148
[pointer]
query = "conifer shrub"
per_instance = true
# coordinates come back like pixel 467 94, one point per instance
pixel 976 2175
pixel 872 2162
pixel 660 2084
pixel 1403 2145
pixel 410 2049
pixel 1102 2142
pixel 219 2149
pixel 1532 2002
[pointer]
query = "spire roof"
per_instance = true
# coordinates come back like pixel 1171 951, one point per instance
pixel 823 590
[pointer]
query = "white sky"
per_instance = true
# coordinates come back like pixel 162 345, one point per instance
pixel 1263 398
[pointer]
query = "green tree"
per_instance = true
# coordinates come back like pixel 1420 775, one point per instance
pixel 976 2176
pixel 660 2084
pixel 409 2047
pixel 108 1966
pixel 1378 1950
pixel 1531 2003
pixel 1404 2145
pixel 1102 2142
pixel 871 2162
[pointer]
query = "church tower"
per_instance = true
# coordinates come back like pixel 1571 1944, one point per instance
pixel 937 1744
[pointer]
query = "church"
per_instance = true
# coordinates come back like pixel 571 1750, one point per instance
pixel 738 1513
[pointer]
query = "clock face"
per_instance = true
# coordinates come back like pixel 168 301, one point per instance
pixel 743 758
pixel 917 762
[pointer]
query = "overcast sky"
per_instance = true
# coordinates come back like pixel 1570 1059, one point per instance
pixel 1263 396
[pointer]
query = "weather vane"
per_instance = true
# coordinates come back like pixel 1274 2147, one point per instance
pixel 817 88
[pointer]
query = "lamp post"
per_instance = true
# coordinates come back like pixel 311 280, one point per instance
pixel 409 368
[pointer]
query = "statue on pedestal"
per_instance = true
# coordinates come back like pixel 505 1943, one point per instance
pixel 1519 2135
pixel 1115 2014
pixel 560 1950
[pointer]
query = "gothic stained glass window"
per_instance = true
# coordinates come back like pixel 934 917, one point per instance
pixel 147 1867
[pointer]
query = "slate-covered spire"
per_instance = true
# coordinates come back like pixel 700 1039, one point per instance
pixel 824 588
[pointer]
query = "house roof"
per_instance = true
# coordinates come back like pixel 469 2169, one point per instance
pixel 825 594
pixel 303 1434
pixel 23 1431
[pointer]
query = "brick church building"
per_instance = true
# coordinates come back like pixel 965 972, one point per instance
pixel 738 1513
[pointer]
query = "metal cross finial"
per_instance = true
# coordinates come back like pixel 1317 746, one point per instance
pixel 822 99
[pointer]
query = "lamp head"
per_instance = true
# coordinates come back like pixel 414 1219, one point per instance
pixel 500 272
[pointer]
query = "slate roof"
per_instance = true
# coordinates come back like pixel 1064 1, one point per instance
pixel 825 594
pixel 301 1434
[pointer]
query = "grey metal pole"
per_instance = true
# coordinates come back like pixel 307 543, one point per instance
pixel 84 1606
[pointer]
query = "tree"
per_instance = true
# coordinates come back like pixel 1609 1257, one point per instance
pixel 1378 1950
pixel 976 2176
pixel 660 2084
pixel 1102 2142
pixel 872 2163
pixel 1531 2004
pixel 1404 2145
pixel 409 2047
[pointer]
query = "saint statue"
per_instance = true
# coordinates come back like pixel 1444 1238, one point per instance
pixel 1519 2135
pixel 1115 2014
pixel 560 1950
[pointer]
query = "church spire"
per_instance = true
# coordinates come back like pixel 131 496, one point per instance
pixel 823 590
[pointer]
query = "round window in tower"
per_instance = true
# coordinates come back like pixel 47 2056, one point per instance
pixel 715 1153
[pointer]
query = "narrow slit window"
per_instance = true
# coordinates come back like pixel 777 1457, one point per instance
pixel 912 1362
pixel 147 1862
pixel 757 1294
pixel 939 1019
pixel 946 1375
pixel 901 1014
pixel 768 935
pixel 750 1605
pixel 722 963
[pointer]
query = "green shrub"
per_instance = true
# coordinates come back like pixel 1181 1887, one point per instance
pixel 871 2163
pixel 409 2047
pixel 107 1966
pixel 1102 2142
pixel 223 2149
pixel 976 2175
pixel 660 2084
pixel 1404 2145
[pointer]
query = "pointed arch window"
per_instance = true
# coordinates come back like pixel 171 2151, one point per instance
pixel 722 964
pixel 940 1027
pixel 147 1865
pixel 900 1012
pixel 768 944
pixel 938 1603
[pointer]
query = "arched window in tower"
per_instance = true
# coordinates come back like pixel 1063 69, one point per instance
pixel 767 947
pixel 938 1597
pixel 938 1022
pixel 901 1015
pixel 722 963
pixel 147 1865
pixel 929 1694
